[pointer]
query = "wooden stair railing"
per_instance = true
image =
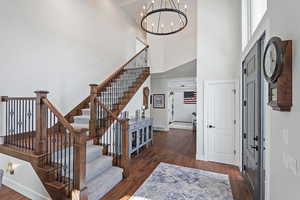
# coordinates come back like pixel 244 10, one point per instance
pixel 38 133
pixel 66 150
pixel 116 135
pixel 85 103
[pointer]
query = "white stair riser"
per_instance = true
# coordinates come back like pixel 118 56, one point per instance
pixel 86 112
pixel 81 120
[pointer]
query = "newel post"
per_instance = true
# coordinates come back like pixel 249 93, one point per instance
pixel 93 117
pixel 80 139
pixel 125 147
pixel 40 140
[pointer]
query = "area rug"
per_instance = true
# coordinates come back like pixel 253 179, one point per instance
pixel 172 182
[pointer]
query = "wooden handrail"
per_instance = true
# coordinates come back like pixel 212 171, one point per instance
pixel 86 101
pixel 59 116
pixel 5 98
pixel 113 75
pixel 107 110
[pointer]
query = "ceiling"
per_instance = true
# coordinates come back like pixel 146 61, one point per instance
pixel 186 70
pixel 134 7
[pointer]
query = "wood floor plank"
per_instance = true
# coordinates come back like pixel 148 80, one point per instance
pixel 9 194
pixel 175 147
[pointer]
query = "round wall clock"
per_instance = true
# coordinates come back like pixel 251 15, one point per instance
pixel 273 60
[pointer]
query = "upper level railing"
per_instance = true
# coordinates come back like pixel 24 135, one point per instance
pixel 33 124
pixel 20 121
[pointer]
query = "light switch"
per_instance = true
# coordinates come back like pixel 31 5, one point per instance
pixel 285 160
pixel 293 165
pixel 285 136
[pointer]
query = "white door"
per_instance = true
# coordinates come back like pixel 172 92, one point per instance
pixel 171 108
pixel 219 109
pixel 178 102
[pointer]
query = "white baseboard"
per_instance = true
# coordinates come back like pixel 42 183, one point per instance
pixel 1 140
pixel 22 189
pixel 160 128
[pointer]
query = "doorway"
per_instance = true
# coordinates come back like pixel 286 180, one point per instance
pixel 253 123
pixel 220 144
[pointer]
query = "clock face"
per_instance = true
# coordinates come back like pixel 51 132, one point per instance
pixel 271 60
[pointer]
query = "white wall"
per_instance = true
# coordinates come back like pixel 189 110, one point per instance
pixel 160 116
pixel 218 49
pixel 171 51
pixel 284 22
pixel 24 180
pixel 61 46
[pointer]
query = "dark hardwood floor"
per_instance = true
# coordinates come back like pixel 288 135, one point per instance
pixel 8 194
pixel 174 147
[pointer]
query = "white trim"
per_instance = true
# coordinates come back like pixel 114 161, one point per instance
pixel 199 156
pixel 238 138
pixel 22 189
pixel 236 129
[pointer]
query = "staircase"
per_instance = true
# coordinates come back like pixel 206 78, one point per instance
pixel 101 175
pixel 86 151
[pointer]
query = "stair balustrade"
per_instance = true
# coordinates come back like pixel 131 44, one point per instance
pixel 37 132
pixel 34 125
pixel 20 122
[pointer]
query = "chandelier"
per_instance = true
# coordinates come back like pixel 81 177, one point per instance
pixel 164 17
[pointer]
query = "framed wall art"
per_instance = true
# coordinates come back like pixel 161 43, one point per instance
pixel 159 101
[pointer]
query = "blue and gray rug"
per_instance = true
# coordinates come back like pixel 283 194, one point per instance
pixel 172 182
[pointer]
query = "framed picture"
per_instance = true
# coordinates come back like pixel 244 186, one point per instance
pixel 159 101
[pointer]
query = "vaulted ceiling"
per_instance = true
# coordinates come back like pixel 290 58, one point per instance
pixel 132 7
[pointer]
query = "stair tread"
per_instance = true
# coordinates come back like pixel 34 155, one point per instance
pixel 97 166
pixel 100 185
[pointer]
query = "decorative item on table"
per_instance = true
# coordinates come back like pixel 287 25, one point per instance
pixel 137 114
pixel 1 176
pixel 124 115
pixel 159 101
pixel 10 168
pixel 143 112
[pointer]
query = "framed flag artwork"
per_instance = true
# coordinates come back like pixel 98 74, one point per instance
pixel 190 97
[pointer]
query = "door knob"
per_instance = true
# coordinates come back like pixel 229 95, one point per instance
pixel 255 147
pixel 211 126
pixel 255 138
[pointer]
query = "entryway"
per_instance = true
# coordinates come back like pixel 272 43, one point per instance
pixel 174 147
pixel 253 126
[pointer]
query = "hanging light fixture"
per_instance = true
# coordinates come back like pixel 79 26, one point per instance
pixel 164 17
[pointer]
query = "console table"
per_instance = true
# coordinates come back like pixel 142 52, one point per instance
pixel 140 134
